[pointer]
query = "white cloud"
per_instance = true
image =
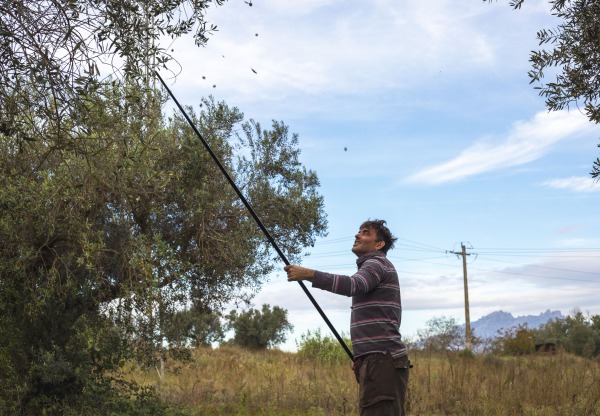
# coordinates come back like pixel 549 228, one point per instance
pixel 525 142
pixel 574 183
pixel 331 47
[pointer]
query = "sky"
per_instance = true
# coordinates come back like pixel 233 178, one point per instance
pixel 421 114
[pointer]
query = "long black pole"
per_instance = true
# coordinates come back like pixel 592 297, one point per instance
pixel 256 218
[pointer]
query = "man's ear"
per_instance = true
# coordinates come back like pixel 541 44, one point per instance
pixel 379 245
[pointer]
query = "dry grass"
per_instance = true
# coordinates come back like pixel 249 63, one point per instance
pixel 557 385
pixel 230 381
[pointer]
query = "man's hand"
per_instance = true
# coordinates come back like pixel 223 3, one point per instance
pixel 296 273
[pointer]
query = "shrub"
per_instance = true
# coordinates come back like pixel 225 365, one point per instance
pixel 314 345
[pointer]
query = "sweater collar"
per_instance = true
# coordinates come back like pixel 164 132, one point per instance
pixel 373 254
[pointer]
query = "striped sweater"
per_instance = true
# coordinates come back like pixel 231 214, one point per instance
pixel 376 306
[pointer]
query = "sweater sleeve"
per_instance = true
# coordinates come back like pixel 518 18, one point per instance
pixel 363 281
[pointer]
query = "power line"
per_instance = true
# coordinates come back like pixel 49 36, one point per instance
pixel 328 254
pixel 536 275
pixel 422 244
pixel 419 246
pixel 487 250
pixel 507 272
pixel 542 256
pixel 510 284
pixel 538 249
pixel 419 259
pixel 544 267
pixel 332 241
pixel 484 256
pixel 412 248
pixel 534 287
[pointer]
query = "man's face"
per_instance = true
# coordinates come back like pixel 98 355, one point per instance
pixel 365 241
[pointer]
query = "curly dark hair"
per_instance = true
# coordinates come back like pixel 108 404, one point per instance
pixel 383 233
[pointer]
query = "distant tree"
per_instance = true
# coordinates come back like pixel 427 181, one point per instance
pixel 518 340
pixel 555 331
pixel 259 329
pixel 595 323
pixel 196 326
pixel 582 339
pixel 441 334
pixel 577 333
pixel 573 53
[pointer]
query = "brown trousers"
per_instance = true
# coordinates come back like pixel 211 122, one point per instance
pixel 383 382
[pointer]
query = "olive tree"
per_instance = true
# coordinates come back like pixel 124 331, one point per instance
pixel 55 55
pixel 571 51
pixel 112 218
pixel 103 240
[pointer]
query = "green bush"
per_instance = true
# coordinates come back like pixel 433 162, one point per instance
pixel 314 345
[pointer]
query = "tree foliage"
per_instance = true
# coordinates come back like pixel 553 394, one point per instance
pixel 571 51
pixel 259 329
pixel 54 55
pixel 518 340
pixel 196 326
pixel 103 240
pixel 112 217
pixel 577 334
pixel 441 334
pixel 324 349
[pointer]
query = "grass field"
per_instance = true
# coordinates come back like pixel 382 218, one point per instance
pixel 231 381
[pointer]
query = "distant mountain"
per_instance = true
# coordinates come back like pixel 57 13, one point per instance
pixel 489 325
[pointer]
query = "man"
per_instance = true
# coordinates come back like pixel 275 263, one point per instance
pixel 380 357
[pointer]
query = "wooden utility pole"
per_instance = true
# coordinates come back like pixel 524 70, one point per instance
pixel 464 255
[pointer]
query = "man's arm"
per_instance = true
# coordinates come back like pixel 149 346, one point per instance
pixel 365 280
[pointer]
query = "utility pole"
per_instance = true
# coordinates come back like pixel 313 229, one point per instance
pixel 464 255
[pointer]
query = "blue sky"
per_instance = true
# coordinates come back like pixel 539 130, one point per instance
pixel 445 139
